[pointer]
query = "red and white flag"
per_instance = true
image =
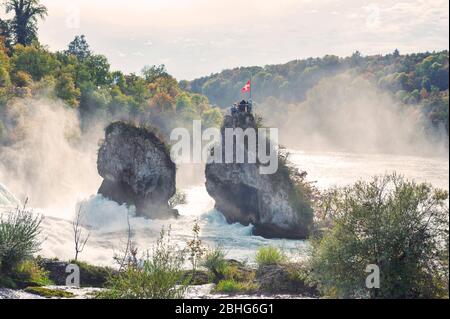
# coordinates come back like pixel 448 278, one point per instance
pixel 247 87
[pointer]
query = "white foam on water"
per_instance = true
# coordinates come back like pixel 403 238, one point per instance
pixel 107 221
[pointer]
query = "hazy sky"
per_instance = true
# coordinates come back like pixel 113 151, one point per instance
pixel 198 37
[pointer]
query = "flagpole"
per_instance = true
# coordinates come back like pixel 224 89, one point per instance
pixel 251 84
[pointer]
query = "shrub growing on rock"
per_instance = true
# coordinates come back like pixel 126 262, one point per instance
pixel 29 272
pixel 215 262
pixel 230 286
pixel 302 193
pixel 49 293
pixel 270 255
pixel 398 225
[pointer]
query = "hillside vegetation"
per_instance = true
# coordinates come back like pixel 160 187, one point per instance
pixel 84 81
pixel 412 79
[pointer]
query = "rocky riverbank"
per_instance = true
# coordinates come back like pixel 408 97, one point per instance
pixel 266 282
pixel 193 292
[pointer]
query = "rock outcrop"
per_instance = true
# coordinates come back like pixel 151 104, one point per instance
pixel 275 204
pixel 285 279
pixel 137 170
pixel 90 276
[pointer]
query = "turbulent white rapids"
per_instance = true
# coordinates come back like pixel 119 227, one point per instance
pixel 108 223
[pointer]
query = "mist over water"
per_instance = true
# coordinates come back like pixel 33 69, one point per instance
pixel 347 113
pixel 53 163
pixel 50 161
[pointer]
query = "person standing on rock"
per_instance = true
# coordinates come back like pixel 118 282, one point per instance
pixel 234 109
pixel 249 106
pixel 242 106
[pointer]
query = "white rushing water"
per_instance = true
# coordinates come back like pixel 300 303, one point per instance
pixel 109 223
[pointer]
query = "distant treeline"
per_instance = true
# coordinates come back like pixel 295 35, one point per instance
pixel 420 78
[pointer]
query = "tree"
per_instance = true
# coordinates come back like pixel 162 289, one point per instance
pixel 195 248
pixel 183 101
pixel 356 59
pixel 212 117
pixel 151 73
pixel 397 225
pixel 5 34
pixel 98 69
pixel 4 65
pixel 24 23
pixel 79 238
pixel 66 90
pixel 129 256
pixel 34 60
pixel 79 48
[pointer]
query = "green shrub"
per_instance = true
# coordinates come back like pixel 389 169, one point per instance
pixel 230 286
pixel 31 273
pixel 27 273
pixel 22 79
pixel 19 231
pixel 400 226
pixel 239 272
pixel 49 293
pixel 158 277
pixel 270 255
pixel 215 262
pixel 302 194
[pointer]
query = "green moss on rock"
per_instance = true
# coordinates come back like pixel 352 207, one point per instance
pixel 49 293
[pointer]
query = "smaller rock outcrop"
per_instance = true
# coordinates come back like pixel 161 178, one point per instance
pixel 137 170
pixel 284 279
pixel 90 276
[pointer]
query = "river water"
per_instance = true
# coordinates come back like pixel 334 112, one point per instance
pixel 108 224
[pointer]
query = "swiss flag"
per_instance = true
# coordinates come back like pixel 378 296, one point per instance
pixel 247 87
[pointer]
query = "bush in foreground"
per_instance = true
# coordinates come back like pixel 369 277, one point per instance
pixel 270 255
pixel 31 273
pixel 19 231
pixel 398 225
pixel 159 276
pixel 214 261
pixel 18 241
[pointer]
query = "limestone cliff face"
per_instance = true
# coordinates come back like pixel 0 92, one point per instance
pixel 272 203
pixel 137 170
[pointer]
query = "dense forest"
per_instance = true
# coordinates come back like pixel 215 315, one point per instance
pixel 84 81
pixel 413 79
